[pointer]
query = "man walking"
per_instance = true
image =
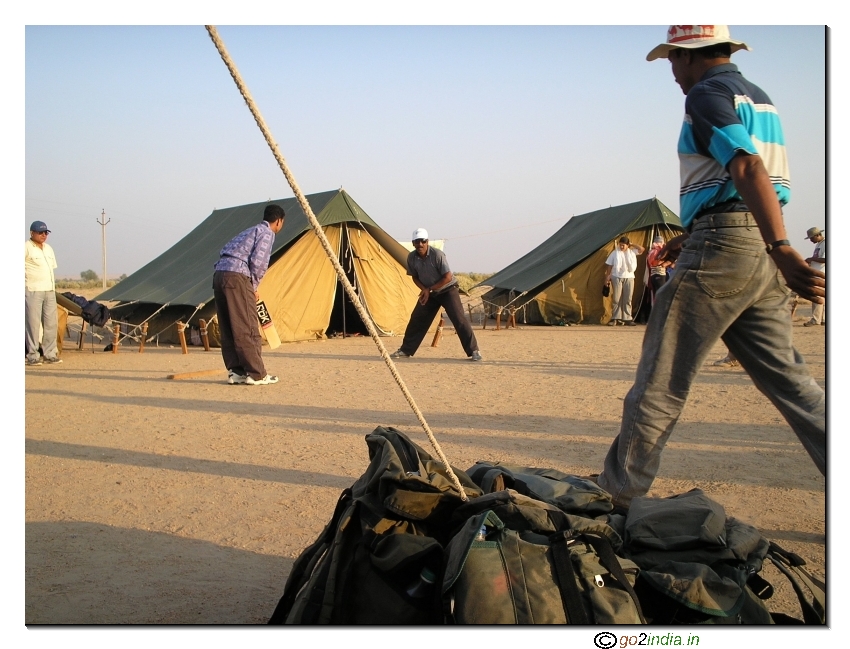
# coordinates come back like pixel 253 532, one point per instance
pixel 734 184
pixel 40 293
pixel 620 275
pixel 430 271
pixel 818 262
pixel 242 263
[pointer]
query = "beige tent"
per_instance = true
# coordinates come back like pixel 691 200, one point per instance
pixel 560 281
pixel 306 299
pixel 300 289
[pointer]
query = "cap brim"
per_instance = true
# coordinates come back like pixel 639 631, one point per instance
pixel 661 51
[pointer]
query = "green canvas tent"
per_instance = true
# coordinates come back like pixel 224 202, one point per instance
pixel 301 289
pixel 561 280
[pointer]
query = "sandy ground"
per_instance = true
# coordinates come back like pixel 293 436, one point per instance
pixel 151 500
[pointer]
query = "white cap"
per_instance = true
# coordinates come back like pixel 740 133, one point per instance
pixel 694 36
pixel 421 233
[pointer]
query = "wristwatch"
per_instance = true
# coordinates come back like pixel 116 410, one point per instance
pixel 776 244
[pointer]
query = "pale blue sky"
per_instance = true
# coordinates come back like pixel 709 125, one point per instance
pixel 490 137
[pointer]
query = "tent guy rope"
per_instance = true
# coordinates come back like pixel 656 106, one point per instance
pixel 317 228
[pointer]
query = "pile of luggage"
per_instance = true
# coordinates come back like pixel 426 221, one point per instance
pixel 529 546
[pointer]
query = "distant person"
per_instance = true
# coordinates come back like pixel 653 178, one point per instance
pixel 437 286
pixel 620 276
pixel 657 267
pixel 42 323
pixel 242 263
pixel 726 283
pixel 818 262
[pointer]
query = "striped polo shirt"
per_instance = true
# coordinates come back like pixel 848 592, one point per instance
pixel 726 114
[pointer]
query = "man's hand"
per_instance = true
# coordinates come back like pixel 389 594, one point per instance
pixel 424 294
pixel 804 280
pixel 671 250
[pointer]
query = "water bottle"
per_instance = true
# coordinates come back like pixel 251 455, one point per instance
pixel 422 587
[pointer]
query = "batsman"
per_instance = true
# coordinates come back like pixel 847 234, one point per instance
pixel 242 263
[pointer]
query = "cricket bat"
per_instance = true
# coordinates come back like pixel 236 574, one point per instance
pixel 269 330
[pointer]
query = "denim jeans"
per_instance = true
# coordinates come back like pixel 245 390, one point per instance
pixel 41 324
pixel 725 286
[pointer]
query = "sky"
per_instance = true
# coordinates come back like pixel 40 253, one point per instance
pixel 490 137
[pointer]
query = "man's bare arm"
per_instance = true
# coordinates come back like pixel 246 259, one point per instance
pixel 753 183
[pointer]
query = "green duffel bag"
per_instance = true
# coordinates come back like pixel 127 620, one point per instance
pixel 379 559
pixel 700 566
pixel 569 493
pixel 498 575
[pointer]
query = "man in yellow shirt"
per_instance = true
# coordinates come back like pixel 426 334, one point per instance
pixel 41 321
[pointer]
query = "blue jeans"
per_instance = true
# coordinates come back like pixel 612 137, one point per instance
pixel 725 286
pixel 41 324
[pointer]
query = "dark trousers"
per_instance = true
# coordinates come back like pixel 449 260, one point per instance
pixel 423 315
pixel 236 306
pixel 657 282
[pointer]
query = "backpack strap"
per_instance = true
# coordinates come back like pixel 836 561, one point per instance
pixel 791 565
pixel 609 560
pixel 493 480
pixel 303 567
pixel 567 581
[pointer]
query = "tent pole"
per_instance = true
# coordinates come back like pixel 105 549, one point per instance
pixel 144 335
pixel 204 335
pixel 438 334
pixel 181 334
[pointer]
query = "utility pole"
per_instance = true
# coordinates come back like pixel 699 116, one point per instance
pixel 103 221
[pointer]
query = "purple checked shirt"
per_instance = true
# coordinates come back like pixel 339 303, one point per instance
pixel 248 253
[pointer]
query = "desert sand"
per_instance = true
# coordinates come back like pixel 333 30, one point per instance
pixel 157 501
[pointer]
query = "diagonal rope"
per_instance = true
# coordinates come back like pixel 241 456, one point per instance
pixel 317 228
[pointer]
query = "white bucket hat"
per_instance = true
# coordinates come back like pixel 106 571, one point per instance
pixel 694 36
pixel 421 233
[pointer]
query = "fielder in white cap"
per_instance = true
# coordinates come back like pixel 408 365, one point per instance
pixel 732 267
pixel 430 271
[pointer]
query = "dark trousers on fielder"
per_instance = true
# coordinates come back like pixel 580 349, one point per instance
pixel 423 315
pixel 236 306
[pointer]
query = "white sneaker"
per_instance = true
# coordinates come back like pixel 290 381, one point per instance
pixel 268 379
pixel 236 379
pixel 476 356
pixel 399 354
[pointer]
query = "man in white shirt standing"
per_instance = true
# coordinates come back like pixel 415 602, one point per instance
pixel 620 276
pixel 818 262
pixel 41 320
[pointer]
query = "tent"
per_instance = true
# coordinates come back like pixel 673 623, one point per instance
pixel 301 290
pixel 561 280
